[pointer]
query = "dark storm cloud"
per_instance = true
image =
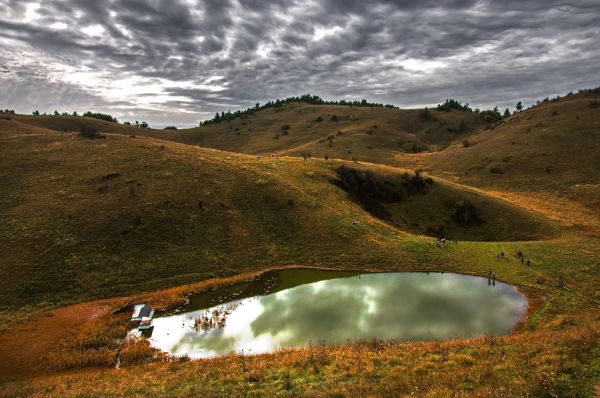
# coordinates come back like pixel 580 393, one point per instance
pixel 180 61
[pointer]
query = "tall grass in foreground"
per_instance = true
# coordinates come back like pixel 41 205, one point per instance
pixel 547 364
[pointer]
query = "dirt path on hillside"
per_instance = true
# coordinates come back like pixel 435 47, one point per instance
pixel 26 343
pixel 315 141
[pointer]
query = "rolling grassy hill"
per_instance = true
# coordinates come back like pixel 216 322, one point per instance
pixel 541 150
pixel 334 131
pixel 547 155
pixel 141 210
pixel 100 217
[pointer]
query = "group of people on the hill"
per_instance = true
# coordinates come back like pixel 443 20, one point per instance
pixel 443 241
pixel 518 254
pixel 525 261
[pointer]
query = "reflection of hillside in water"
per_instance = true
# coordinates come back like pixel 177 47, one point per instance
pixel 394 306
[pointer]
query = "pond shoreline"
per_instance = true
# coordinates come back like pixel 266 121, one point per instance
pixel 177 297
pixel 434 305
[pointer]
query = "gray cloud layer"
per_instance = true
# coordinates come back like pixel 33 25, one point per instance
pixel 180 61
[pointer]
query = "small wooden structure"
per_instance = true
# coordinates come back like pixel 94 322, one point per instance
pixel 142 314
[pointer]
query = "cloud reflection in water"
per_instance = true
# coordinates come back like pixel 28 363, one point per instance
pixel 395 306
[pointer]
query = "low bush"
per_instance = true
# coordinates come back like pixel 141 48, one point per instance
pixel 413 147
pixel 90 133
pixel 491 116
pixel 466 215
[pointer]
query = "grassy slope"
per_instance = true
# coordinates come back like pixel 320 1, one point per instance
pixel 432 210
pixel 173 214
pixel 98 218
pixel 547 156
pixel 558 359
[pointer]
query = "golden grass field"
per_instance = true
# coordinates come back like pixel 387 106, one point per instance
pixel 157 215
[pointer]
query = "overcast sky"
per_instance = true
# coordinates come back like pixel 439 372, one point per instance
pixel 177 62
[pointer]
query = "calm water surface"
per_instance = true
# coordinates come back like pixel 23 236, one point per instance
pixel 392 306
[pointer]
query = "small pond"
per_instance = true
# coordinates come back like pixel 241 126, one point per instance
pixel 302 307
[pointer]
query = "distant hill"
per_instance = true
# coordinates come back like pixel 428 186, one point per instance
pixel 62 123
pixel 334 131
pixel 369 133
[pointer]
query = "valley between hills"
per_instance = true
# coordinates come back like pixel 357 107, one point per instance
pixel 94 214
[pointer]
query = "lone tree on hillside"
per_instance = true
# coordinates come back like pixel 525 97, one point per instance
pixel 426 114
pixel 519 106
pixel 506 113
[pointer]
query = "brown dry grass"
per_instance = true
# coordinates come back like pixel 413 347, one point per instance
pixel 547 155
pixel 554 354
pixel 555 364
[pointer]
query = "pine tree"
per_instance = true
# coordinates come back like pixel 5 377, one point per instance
pixel 519 106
